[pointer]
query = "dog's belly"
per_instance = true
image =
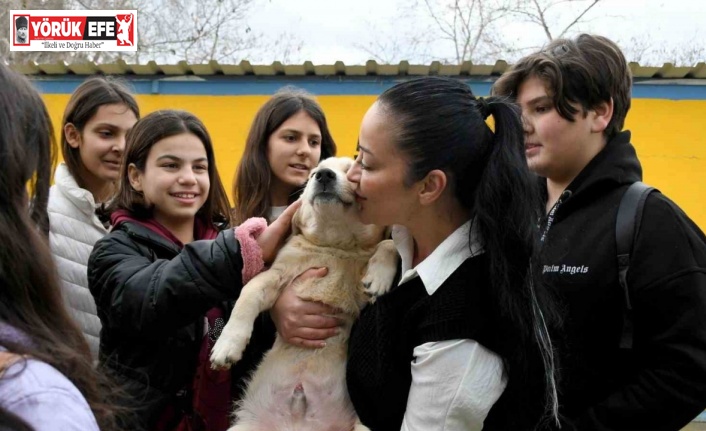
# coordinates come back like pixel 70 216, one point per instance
pixel 298 389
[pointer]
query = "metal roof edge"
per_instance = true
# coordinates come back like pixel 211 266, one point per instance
pixel 667 71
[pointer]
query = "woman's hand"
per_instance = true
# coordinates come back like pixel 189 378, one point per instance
pixel 272 238
pixel 304 323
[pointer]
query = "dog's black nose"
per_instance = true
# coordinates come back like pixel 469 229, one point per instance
pixel 325 176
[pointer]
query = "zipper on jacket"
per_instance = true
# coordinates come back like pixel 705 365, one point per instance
pixel 566 194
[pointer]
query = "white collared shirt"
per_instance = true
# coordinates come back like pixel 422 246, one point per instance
pixel 454 382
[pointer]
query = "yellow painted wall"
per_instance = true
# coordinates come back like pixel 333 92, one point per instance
pixel 670 136
pixel 228 120
pixel 670 139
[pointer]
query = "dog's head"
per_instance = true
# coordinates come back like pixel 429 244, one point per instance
pixel 329 215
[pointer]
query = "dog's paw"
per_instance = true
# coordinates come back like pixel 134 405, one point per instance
pixel 229 349
pixel 373 289
pixel 381 270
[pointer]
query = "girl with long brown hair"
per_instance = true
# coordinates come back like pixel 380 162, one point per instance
pixel 288 138
pixel 47 380
pixel 96 120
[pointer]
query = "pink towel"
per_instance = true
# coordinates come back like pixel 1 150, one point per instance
pixel 246 234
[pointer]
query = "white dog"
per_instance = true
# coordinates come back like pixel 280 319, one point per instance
pixel 298 389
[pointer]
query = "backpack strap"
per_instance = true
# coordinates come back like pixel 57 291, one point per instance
pixel 627 226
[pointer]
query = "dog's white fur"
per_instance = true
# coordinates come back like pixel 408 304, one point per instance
pixel 294 388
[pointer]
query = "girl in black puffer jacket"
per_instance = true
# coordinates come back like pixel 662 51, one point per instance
pixel 162 279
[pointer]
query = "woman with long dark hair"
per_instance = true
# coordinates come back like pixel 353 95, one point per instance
pixel 461 341
pixel 47 379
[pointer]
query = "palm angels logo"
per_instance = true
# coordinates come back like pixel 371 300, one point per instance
pixel 564 269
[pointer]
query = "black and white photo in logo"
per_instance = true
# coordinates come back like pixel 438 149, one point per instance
pixel 21 30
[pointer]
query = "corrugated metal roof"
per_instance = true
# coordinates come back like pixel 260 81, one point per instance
pixel 371 67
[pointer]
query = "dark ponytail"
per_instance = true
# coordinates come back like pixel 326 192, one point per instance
pixel 439 124
pixel 507 206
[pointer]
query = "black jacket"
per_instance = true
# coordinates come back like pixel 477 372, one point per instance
pixel 152 297
pixel 661 383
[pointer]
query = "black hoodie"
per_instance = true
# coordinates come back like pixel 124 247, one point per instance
pixel 661 383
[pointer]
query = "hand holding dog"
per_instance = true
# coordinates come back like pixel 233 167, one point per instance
pixel 274 235
pixel 304 323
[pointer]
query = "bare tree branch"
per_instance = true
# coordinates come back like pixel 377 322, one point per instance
pixel 390 46
pixel 649 53
pixel 539 10
pixel 169 31
pixel 542 20
pixel 465 26
pixel 578 18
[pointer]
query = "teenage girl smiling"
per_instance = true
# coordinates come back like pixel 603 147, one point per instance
pixel 162 278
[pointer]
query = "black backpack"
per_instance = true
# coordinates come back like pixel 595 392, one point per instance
pixel 627 225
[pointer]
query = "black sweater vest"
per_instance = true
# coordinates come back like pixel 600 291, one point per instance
pixel 383 339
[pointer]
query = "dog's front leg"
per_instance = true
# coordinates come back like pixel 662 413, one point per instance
pixel 381 270
pixel 258 295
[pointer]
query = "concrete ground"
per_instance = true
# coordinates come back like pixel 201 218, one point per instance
pixel 695 426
